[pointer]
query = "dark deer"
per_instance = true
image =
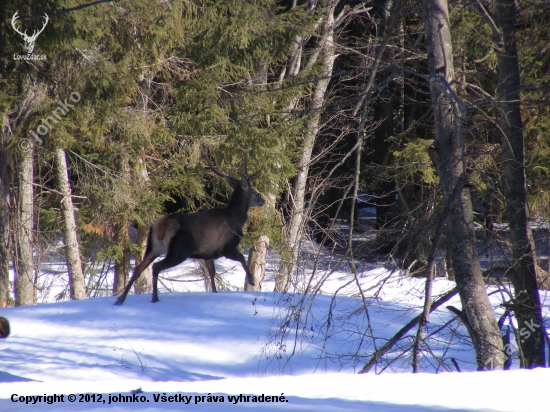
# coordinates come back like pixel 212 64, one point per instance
pixel 207 235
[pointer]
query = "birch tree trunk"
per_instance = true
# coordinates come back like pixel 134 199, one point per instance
pixel 144 284
pixel 256 263
pixel 23 229
pixel 257 254
pixel 295 227
pixel 527 306
pixel 77 287
pixel 448 159
pixel 17 223
pixel 122 262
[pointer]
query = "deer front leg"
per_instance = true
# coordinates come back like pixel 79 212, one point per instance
pixel 238 257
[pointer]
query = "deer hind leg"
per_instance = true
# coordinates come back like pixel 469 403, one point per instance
pixel 212 272
pixel 149 257
pixel 179 250
pixel 238 257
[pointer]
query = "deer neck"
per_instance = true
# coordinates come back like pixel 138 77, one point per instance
pixel 238 205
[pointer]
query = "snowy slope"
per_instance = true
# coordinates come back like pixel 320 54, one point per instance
pixel 196 344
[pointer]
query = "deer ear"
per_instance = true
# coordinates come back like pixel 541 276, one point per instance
pixel 244 182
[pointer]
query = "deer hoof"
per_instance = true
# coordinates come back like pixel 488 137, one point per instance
pixel 119 302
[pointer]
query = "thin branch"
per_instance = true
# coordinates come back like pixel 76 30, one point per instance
pixel 404 330
pixel 347 12
pixel 496 32
pixel 489 53
pixel 476 88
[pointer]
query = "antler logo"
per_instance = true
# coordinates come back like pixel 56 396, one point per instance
pixel 29 40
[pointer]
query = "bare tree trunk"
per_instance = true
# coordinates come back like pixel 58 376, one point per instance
pixel 257 255
pixel 21 219
pixel 355 192
pixel 297 215
pixel 4 186
pixel 77 286
pixel 448 157
pixel 144 284
pixel 4 223
pixel 23 229
pixel 122 261
pixel 527 306
pixel 256 263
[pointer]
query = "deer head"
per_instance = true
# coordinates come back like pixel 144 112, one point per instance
pixel 253 198
pixel 29 40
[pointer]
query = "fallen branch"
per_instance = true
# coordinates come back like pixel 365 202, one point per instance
pixel 404 330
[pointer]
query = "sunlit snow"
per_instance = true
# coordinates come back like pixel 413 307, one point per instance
pixel 194 344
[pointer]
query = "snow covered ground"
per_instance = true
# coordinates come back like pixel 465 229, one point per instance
pixel 208 349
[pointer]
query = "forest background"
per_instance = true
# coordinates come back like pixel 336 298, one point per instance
pixel 435 113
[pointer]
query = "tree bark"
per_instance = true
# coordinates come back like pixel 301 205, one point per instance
pixel 122 261
pixel 4 223
pixel 256 264
pixel 257 254
pixel 448 157
pixel 5 183
pixel 77 287
pixel 527 306
pixel 297 213
pixel 23 229
pixel 144 284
